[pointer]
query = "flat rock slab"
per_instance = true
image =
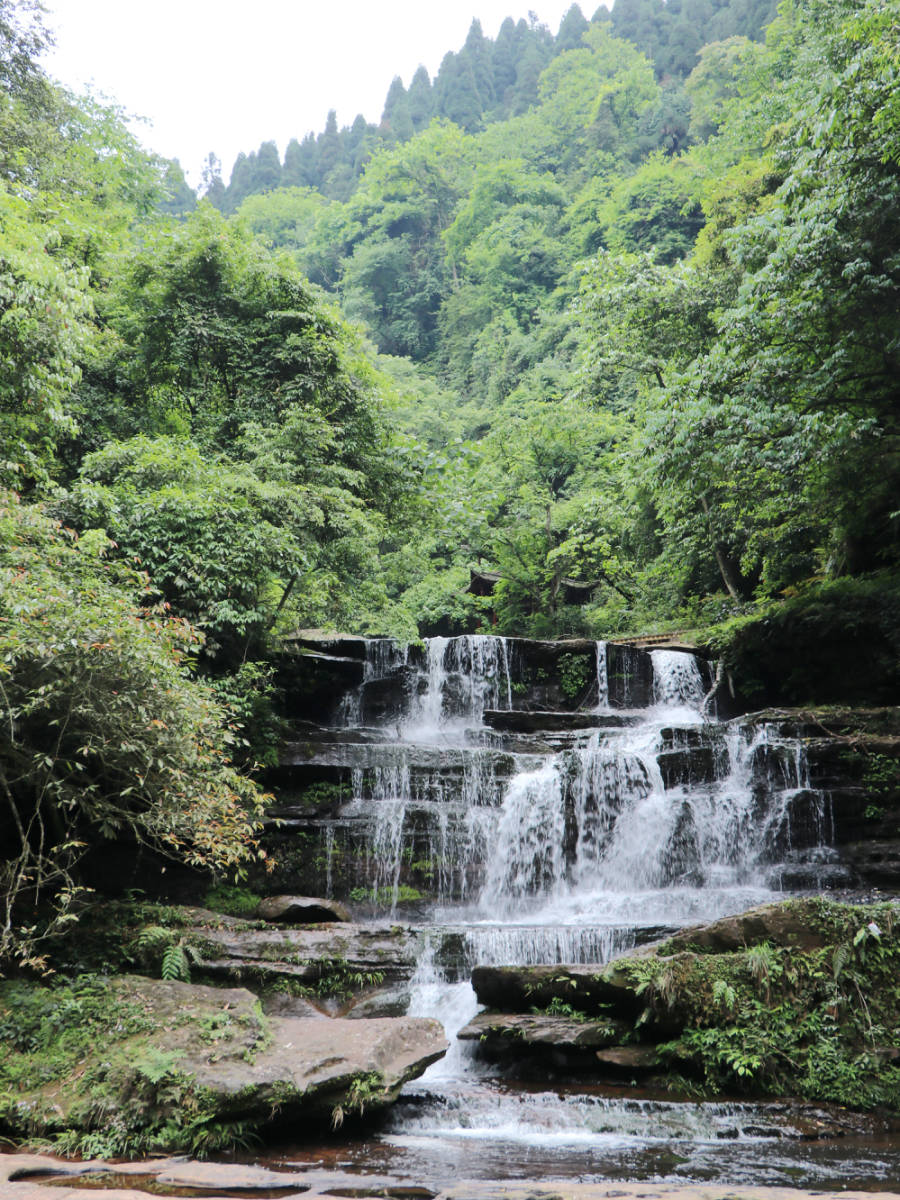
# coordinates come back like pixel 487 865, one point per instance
pixel 484 1189
pixel 227 1177
pixel 515 721
pixel 311 1064
pixel 317 1183
pixel 235 1063
pixel 301 910
pixel 304 953
pixel 520 1029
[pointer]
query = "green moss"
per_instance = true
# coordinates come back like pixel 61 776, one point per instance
pixel 232 900
pixel 386 897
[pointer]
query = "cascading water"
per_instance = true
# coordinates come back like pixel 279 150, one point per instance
pixel 602 678
pixel 562 847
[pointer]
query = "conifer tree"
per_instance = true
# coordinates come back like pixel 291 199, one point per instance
pixel 421 100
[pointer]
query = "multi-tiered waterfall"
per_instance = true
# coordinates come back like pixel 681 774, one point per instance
pixel 542 803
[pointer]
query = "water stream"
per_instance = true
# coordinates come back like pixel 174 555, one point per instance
pixel 570 846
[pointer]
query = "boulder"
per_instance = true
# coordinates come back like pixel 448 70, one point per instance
pixel 228 1063
pixel 385 1002
pixel 590 989
pixel 628 1058
pixel 301 910
pixel 792 924
pixel 541 1030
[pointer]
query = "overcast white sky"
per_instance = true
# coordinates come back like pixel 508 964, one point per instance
pixel 224 76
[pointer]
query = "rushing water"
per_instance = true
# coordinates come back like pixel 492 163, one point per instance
pixel 569 849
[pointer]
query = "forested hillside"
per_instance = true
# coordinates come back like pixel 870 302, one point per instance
pixel 605 307
pixel 646 329
pixel 489 80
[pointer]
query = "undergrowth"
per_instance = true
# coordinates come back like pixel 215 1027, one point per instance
pixel 819 1023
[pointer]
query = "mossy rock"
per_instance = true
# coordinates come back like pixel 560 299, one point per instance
pixel 131 1065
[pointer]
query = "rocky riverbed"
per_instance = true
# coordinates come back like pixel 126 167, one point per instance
pixel 40 1177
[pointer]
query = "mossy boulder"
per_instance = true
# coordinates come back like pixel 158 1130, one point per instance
pixel 129 1065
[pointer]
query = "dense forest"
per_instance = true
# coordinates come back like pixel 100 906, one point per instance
pixel 609 318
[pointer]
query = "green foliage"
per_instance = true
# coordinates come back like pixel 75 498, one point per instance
pixel 387 897
pixel 106 735
pixel 335 977
pixel 160 949
pixel 132 1100
pixel 772 1020
pixel 44 312
pixel 364 1089
pixel 561 1008
pixel 575 674
pixel 778 650
pixel 232 899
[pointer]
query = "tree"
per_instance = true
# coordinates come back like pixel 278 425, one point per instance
pixel 268 168
pixel 421 100
pixel 44 321
pixel 103 733
pixel 572 29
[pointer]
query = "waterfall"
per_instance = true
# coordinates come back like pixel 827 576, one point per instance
pixel 602 678
pixel 463 677
pixel 530 845
pixel 537 847
pixel 677 681
pixel 528 855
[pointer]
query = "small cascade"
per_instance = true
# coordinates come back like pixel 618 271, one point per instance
pixel 528 855
pixel 463 676
pixel 602 678
pixel 677 682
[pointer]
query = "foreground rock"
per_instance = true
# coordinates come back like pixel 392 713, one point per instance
pixel 786 999
pixel 26 1173
pixel 174 1065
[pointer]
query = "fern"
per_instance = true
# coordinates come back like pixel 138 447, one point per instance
pixel 154 1065
pixel 176 964
pixel 724 993
pixel 153 938
pixel 842 955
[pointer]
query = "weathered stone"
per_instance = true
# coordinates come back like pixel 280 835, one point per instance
pixel 301 910
pixel 681 768
pixel 629 1058
pixel 546 722
pixel 542 1030
pixel 386 1002
pixel 790 924
pixel 227 1177
pixel 231 1062
pixel 364 954
pixel 519 989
